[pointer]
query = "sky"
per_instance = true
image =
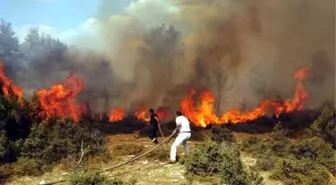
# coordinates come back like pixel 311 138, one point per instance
pixel 65 19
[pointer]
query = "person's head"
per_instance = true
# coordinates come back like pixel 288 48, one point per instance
pixel 178 113
pixel 151 111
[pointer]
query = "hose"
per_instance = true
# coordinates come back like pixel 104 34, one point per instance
pixel 122 164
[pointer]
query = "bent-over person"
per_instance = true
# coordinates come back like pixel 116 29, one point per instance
pixel 184 134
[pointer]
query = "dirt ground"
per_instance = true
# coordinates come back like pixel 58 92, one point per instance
pixel 144 171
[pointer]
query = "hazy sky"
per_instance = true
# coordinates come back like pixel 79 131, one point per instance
pixel 62 18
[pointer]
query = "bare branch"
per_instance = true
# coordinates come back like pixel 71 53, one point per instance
pixel 73 160
pixel 83 152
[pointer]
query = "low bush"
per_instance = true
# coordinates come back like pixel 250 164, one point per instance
pixel 49 143
pixel 3 140
pixel 95 179
pixel 325 126
pixel 292 172
pixel 220 134
pixel 211 158
pixel 284 156
pixel 23 166
pixel 26 166
pixel 6 170
pixel 263 164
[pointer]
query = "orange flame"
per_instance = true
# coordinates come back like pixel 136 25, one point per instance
pixel 116 115
pixel 60 99
pixel 8 86
pixel 141 114
pixel 299 98
pixel 203 114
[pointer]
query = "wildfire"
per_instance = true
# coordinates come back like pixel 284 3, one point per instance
pixel 203 115
pixel 7 85
pixel 141 114
pixel 60 99
pixel 299 98
pixel 116 115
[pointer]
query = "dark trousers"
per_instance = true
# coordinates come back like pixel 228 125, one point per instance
pixel 152 132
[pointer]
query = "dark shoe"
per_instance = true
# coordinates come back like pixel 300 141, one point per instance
pixel 155 141
pixel 172 162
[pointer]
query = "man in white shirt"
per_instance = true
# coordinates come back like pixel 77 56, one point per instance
pixel 183 126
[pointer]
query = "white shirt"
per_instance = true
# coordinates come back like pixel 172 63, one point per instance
pixel 184 122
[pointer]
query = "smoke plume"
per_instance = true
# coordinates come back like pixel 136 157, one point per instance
pixel 239 49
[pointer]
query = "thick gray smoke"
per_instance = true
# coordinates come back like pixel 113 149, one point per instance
pixel 238 49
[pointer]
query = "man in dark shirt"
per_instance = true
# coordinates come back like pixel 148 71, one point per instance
pixel 154 124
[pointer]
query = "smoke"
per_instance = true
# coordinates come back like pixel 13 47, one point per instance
pixel 239 49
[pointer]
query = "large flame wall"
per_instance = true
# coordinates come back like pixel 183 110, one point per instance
pixel 59 101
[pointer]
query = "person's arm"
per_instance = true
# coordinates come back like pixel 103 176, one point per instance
pixel 178 125
pixel 157 119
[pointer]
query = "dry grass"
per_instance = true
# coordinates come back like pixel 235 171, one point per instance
pixel 127 149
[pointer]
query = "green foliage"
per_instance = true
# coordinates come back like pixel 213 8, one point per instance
pixel 206 159
pixel 49 143
pixel 9 44
pixel 287 159
pixel 292 172
pixel 6 170
pixel 263 164
pixel 26 166
pixel 3 140
pixel 220 134
pixel 325 125
pixel 210 158
pixel 281 130
pixel 95 179
pixel 15 123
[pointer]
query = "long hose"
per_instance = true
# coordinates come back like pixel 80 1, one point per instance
pixel 122 164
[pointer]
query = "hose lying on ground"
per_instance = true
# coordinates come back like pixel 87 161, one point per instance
pixel 122 164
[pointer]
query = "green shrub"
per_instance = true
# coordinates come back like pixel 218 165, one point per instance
pixel 6 170
pixel 49 143
pixel 325 125
pixel 292 172
pixel 263 164
pixel 95 179
pixel 283 156
pixel 3 140
pixel 26 166
pixel 211 158
pixel 315 150
pixel 220 134
pixel 281 130
pixel 278 146
pixel 207 158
